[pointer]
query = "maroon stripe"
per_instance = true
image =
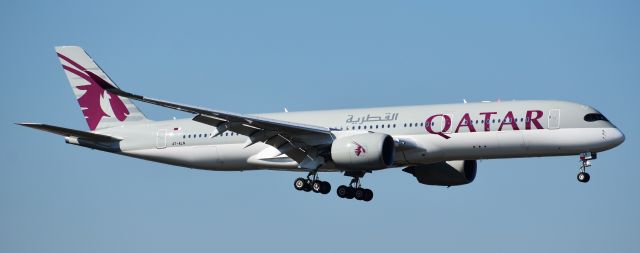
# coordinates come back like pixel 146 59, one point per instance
pixel 78 73
pixel 72 62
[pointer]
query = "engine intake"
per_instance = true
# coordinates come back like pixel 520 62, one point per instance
pixel 448 173
pixel 363 151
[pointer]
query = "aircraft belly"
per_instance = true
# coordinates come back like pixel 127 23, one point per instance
pixel 567 141
pixel 209 157
pixel 505 144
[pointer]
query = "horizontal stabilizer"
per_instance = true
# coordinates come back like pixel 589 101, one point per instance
pixel 70 132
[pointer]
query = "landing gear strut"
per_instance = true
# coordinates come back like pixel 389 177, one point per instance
pixel 312 183
pixel 585 159
pixel 354 189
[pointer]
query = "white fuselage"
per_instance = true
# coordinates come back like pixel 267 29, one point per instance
pixel 423 134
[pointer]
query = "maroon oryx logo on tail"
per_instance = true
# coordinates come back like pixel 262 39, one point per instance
pixel 359 149
pixel 90 100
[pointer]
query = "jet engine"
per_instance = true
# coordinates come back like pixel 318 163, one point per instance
pixel 363 151
pixel 448 173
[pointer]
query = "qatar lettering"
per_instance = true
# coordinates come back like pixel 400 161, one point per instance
pixel 482 122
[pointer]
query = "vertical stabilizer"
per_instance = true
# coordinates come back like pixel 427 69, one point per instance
pixel 101 109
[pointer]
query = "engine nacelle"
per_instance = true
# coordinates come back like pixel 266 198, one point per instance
pixel 445 173
pixel 363 151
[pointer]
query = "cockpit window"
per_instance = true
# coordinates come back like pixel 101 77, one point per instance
pixel 591 117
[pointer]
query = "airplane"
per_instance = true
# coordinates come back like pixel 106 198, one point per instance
pixel 437 144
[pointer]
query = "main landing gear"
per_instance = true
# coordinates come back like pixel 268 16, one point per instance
pixel 312 183
pixel 585 159
pixel 354 190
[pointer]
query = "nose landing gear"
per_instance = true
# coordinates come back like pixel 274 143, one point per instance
pixel 585 159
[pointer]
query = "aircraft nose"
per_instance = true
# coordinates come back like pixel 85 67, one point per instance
pixel 615 137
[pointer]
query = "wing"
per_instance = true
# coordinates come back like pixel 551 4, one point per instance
pixel 306 144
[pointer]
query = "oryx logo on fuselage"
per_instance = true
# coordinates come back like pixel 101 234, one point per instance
pixel 532 119
pixel 95 102
pixel 359 149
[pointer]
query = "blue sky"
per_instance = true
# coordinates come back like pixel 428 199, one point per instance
pixel 261 56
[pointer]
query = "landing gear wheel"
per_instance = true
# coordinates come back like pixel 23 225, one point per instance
pixel 583 177
pixel 317 186
pixel 325 188
pixel 350 192
pixel 359 193
pixel 354 188
pixel 299 183
pixel 342 191
pixel 307 187
pixel 368 195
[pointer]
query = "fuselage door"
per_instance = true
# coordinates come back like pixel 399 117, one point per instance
pixel 161 138
pixel 554 119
